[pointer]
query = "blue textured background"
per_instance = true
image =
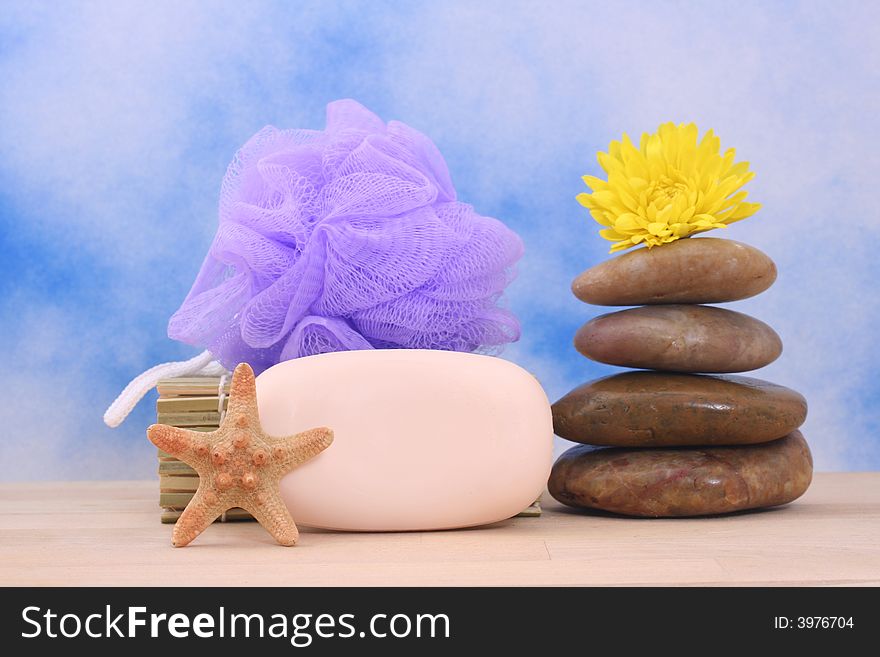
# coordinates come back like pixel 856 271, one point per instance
pixel 117 122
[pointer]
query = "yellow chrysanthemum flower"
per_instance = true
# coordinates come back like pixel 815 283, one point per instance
pixel 667 188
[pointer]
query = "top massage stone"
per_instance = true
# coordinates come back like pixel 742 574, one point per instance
pixel 694 270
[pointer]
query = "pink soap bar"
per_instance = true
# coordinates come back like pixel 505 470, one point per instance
pixel 423 439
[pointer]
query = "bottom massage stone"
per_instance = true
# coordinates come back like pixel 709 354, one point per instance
pixel 679 482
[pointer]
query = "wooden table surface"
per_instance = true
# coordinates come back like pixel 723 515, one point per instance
pixel 108 533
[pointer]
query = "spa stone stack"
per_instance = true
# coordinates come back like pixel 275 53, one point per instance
pixel 681 442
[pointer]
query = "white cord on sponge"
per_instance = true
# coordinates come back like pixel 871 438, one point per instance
pixel 202 365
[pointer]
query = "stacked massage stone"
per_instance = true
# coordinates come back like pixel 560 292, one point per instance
pixel 680 440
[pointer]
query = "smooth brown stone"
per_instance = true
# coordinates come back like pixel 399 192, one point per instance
pixel 660 483
pixel 692 270
pixel 663 409
pixel 679 338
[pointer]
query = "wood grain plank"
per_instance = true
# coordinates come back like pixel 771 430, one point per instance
pixel 108 533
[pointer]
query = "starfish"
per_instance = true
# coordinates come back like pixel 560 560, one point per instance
pixel 239 465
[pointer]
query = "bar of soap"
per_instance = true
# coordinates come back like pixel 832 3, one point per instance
pixel 423 439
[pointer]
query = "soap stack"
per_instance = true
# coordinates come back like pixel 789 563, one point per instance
pixel 193 403
pixel 683 437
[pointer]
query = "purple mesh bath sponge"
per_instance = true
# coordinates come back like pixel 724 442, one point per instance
pixel 346 238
